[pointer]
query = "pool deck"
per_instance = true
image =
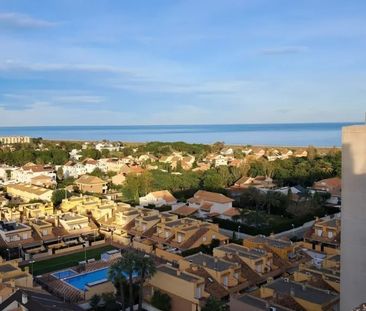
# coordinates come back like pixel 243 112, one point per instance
pixel 66 291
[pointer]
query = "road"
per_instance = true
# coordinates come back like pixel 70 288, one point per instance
pixel 297 232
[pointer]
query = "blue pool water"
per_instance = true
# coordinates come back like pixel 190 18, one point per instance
pixel 64 274
pixel 82 280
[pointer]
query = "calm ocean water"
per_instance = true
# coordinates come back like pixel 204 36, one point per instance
pixel 317 134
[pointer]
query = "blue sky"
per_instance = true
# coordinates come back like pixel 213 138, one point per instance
pixel 86 62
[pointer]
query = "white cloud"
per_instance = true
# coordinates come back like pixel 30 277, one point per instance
pixel 284 50
pixel 23 21
pixel 10 65
pixel 80 99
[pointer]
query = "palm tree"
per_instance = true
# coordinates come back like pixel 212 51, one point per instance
pixel 128 265
pixel 271 199
pixel 146 269
pixel 115 274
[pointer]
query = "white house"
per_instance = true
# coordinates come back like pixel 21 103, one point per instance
pixel 213 204
pixel 227 151
pixel 75 154
pixel 90 165
pixel 221 160
pixel 30 170
pixel 73 169
pixel 158 198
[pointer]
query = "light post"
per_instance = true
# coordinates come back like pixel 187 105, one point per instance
pixel 239 231
pixel 85 254
pixel 32 267
pixel 8 252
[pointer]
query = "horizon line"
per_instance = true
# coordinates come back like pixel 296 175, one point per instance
pixel 187 124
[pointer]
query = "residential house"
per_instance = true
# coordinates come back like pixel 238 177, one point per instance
pixel 284 249
pixel 212 204
pixel 29 192
pixel 319 276
pixel 43 181
pixel 187 233
pixel 258 260
pixel 71 203
pixel 226 273
pixel 325 235
pixel 74 223
pixel 256 182
pixel 73 169
pixel 300 153
pixel 186 290
pixel 158 198
pixel 249 302
pixel 221 160
pixel 75 155
pixel 36 210
pixel 31 170
pixel 227 151
pixel 13 276
pixel 15 233
pixel 299 295
pixel 29 300
pixel 93 184
pixel 333 186
pixel 90 165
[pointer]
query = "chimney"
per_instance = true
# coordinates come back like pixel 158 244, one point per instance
pixel 24 298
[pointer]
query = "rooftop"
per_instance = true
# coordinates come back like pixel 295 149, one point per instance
pixel 211 262
pixel 302 291
pixel 175 272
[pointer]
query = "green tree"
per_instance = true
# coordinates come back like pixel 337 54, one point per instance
pixel 146 269
pixel 116 276
pixel 94 302
pixel 128 265
pixel 58 195
pixel 214 304
pixel 161 301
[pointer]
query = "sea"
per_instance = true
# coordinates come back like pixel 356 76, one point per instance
pixel 294 134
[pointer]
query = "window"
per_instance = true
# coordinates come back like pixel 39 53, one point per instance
pixel 198 292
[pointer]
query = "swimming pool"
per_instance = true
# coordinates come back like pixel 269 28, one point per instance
pixel 81 281
pixel 64 274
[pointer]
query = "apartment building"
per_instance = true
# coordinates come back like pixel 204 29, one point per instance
pixel 29 192
pixel 8 140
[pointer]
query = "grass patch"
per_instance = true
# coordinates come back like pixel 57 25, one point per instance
pixel 67 261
